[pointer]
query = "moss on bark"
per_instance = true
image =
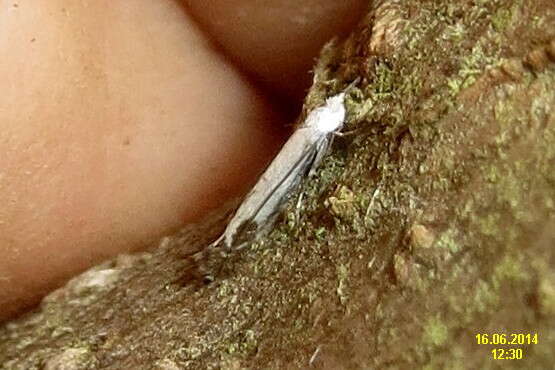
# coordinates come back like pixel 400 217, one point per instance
pixel 431 223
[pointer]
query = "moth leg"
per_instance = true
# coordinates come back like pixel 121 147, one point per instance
pixel 298 208
pixel 346 134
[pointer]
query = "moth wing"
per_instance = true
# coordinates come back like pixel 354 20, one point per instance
pixel 278 180
pixel 322 147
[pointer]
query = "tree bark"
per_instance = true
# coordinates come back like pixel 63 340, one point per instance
pixel 432 222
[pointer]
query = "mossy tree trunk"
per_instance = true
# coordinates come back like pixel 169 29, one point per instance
pixel 431 223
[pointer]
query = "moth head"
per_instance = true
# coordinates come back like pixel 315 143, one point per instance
pixel 332 115
pixel 336 103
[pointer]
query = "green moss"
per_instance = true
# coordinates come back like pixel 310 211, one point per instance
pixel 501 19
pixel 448 241
pixel 486 298
pixel 342 203
pixel 471 66
pixel 511 268
pixel 546 296
pixel 435 333
pixel 489 224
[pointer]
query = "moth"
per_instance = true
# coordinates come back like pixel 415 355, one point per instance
pixel 299 157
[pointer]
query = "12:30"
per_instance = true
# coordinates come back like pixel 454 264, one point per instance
pixel 507 354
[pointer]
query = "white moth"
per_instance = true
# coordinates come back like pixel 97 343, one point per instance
pixel 301 155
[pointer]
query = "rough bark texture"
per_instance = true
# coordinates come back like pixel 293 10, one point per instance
pixel 434 221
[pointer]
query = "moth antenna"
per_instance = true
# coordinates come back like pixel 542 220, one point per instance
pixel 352 84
